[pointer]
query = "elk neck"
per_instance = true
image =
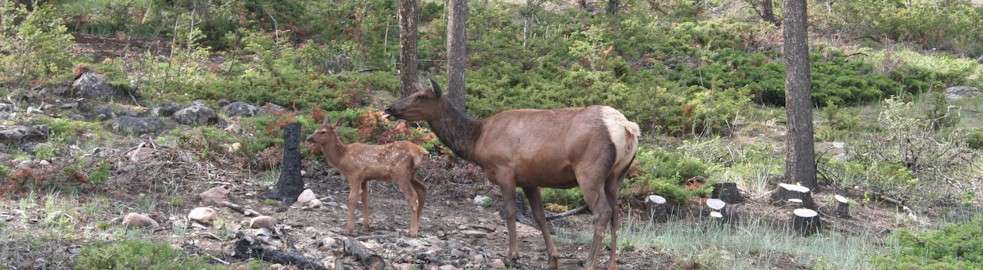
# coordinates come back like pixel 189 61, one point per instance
pixel 457 130
pixel 334 151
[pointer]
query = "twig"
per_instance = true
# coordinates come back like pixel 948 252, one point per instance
pixel 575 211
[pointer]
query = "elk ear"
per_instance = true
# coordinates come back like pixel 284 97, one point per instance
pixel 338 122
pixel 435 88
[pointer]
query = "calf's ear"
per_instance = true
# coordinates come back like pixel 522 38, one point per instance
pixel 435 88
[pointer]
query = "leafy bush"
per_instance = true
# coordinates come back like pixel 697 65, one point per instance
pixel 34 44
pixel 957 246
pixel 137 254
pixel 568 197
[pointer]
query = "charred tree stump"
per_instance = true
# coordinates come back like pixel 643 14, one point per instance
pixel 247 247
pixel 727 192
pixel 805 221
pixel 658 208
pixel 842 206
pixel 290 184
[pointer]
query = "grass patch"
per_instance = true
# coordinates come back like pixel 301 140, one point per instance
pixel 957 246
pixel 756 245
pixel 137 254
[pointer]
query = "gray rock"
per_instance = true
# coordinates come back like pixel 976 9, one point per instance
pixel 103 112
pixel 136 125
pixel 196 114
pixel 92 85
pixel 240 108
pixel 21 133
pixel 167 109
pixel 6 107
pixel 960 92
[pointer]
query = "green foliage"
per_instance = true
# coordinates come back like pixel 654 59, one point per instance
pixel 137 254
pixel 4 171
pixel 101 173
pixel 957 246
pixel 664 172
pixel 207 141
pixel 563 196
pixel 974 139
pixel 45 151
pixel 34 44
pixel 950 25
pixel 68 130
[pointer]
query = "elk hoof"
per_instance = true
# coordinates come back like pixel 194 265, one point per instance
pixel 554 264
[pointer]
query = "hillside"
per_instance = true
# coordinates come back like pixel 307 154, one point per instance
pixel 109 108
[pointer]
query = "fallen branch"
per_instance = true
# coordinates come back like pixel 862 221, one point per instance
pixel 352 247
pixel 242 210
pixel 571 212
pixel 247 247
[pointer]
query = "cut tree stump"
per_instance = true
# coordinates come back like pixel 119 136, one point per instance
pixel 790 193
pixel 719 210
pixel 658 208
pixel 728 192
pixel 842 206
pixel 805 221
pixel 290 184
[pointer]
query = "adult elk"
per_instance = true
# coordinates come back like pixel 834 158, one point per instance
pixel 590 147
pixel 360 163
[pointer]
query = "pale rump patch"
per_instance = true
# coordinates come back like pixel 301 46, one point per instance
pixel 624 134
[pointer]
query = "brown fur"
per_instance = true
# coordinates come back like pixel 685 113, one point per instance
pixel 360 163
pixel 588 147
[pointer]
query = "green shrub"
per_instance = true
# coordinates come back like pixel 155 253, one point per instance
pixel 34 44
pixel 974 139
pixel 101 173
pixel 957 246
pixel 664 173
pixel 569 197
pixel 4 171
pixel 949 25
pixel 45 151
pixel 137 254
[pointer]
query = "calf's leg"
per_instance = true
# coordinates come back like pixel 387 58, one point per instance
pixel 536 203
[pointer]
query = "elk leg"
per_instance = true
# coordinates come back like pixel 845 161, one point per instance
pixel 421 197
pixel 353 194
pixel 611 192
pixel 411 199
pixel 536 203
pixel 595 198
pixel 366 222
pixel 506 182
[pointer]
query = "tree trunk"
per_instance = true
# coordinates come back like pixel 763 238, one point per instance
pixel 768 12
pixel 583 5
pixel 290 184
pixel 457 54
pixel 613 6
pixel 407 47
pixel 800 164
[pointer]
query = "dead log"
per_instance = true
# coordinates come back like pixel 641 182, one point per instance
pixel 354 248
pixel 805 221
pixel 290 184
pixel 658 208
pixel 842 206
pixel 728 192
pixel 247 247
pixel 571 212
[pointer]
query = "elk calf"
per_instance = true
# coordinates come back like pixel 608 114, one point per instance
pixel 360 163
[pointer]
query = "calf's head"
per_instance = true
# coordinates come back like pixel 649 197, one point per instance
pixel 324 134
pixel 423 104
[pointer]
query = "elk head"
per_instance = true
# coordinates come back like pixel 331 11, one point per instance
pixel 423 104
pixel 324 134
